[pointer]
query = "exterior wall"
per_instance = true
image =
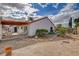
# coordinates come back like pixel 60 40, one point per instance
pixel 11 29
pixel 0 31
pixel 7 29
pixel 20 30
pixel 42 24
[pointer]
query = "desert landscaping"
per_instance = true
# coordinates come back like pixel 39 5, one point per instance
pixel 56 48
pixel 47 46
pixel 37 31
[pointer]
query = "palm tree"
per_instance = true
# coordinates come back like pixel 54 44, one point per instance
pixel 76 21
pixel 70 22
pixel 70 25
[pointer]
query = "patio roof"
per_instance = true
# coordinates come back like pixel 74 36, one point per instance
pixel 13 22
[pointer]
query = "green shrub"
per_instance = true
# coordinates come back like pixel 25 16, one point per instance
pixel 41 32
pixel 51 33
pixel 59 25
pixel 62 30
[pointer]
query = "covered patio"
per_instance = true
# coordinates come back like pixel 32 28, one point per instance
pixel 17 27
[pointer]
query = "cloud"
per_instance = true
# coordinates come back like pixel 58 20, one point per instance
pixel 68 8
pixel 30 10
pixel 65 13
pixel 60 18
pixel 43 5
pixel 75 13
pixel 55 5
pixel 20 8
pixel 16 5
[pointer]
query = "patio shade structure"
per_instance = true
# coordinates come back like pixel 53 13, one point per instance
pixel 11 22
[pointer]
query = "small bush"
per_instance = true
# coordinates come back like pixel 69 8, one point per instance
pixel 51 33
pixel 41 32
pixel 62 30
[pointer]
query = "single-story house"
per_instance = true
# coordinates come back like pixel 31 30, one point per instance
pixel 41 23
pixel 25 27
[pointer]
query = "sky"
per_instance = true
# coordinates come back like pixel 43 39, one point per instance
pixel 38 9
pixel 58 12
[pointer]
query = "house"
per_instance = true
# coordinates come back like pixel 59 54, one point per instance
pixel 24 27
pixel 40 23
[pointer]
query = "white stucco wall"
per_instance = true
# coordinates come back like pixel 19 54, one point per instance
pixel 20 30
pixel 11 29
pixel 42 24
pixel 0 31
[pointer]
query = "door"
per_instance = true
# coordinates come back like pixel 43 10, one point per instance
pixel 51 29
pixel 15 29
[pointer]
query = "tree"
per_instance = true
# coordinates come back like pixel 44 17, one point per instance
pixel 76 21
pixel 30 19
pixel 59 25
pixel 70 25
pixel 70 22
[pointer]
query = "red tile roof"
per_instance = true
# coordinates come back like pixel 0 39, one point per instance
pixel 12 22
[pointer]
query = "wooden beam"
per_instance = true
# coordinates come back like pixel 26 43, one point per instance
pixel 8 22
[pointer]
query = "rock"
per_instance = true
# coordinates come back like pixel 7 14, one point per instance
pixel 66 42
pixel 36 37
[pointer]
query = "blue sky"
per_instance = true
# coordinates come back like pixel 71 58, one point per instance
pixel 50 8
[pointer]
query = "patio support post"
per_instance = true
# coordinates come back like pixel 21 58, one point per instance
pixel 0 31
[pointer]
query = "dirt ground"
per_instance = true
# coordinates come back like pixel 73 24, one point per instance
pixel 51 46
pixel 55 48
pixel 17 43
